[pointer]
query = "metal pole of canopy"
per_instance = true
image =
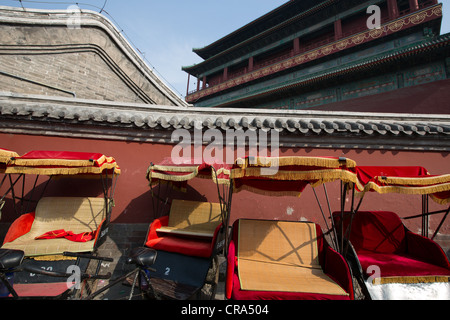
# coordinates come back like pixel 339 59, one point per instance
pixel 10 189
pixel 446 211
pixel 105 186
pixel 352 214
pixel 344 191
pixel 225 198
pixel 3 180
pixel 335 241
pixel 425 216
pixel 441 223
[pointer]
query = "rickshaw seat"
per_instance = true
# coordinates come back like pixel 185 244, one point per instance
pixel 191 228
pixel 380 238
pixel 192 218
pixel 75 214
pixel 286 261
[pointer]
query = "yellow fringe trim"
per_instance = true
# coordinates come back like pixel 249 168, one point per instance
pixel 61 162
pixel 415 181
pixel 320 175
pixel 225 181
pixel 290 161
pixel 406 190
pixel 6 155
pixel 439 200
pixel 174 168
pixel 411 279
pixel 151 174
pixel 192 173
pixel 267 192
pixel 168 177
pixel 62 171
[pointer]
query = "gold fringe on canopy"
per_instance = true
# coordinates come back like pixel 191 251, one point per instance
pixel 325 175
pixel 419 190
pixel 174 168
pixel 441 201
pixel 6 155
pixel 295 161
pixel 221 176
pixel 157 172
pixel 267 192
pixel 62 162
pixel 422 181
pixel 168 177
pixel 411 280
pixel 62 170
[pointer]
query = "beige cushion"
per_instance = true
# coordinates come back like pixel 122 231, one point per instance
pixel 71 214
pixel 281 256
pixel 193 218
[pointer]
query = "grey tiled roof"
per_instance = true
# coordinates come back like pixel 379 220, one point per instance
pixel 302 122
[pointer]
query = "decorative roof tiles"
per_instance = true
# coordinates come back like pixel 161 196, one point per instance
pixel 140 116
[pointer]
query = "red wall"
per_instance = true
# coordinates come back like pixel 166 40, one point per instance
pixel 133 197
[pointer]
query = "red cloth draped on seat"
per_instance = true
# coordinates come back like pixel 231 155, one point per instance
pixel 69 235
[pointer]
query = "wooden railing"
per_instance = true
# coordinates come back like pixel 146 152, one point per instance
pixel 303 49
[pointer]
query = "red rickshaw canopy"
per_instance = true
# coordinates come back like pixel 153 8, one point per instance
pixel 5 158
pixel 61 163
pixel 403 179
pixel 267 175
pixel 289 175
pixel 180 173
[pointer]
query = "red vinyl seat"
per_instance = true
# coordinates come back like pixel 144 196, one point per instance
pixel 188 245
pixel 379 238
pixel 332 265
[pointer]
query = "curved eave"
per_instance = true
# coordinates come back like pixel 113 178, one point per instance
pixel 210 56
pixel 199 68
pixel 442 41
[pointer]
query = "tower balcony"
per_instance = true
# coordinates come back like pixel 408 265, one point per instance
pixel 340 37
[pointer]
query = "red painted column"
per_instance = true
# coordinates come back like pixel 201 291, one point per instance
pixel 338 29
pixel 225 74
pixel 204 82
pixel 393 9
pixel 414 5
pixel 296 45
pixel 250 64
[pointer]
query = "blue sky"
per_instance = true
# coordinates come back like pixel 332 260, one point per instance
pixel 166 31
